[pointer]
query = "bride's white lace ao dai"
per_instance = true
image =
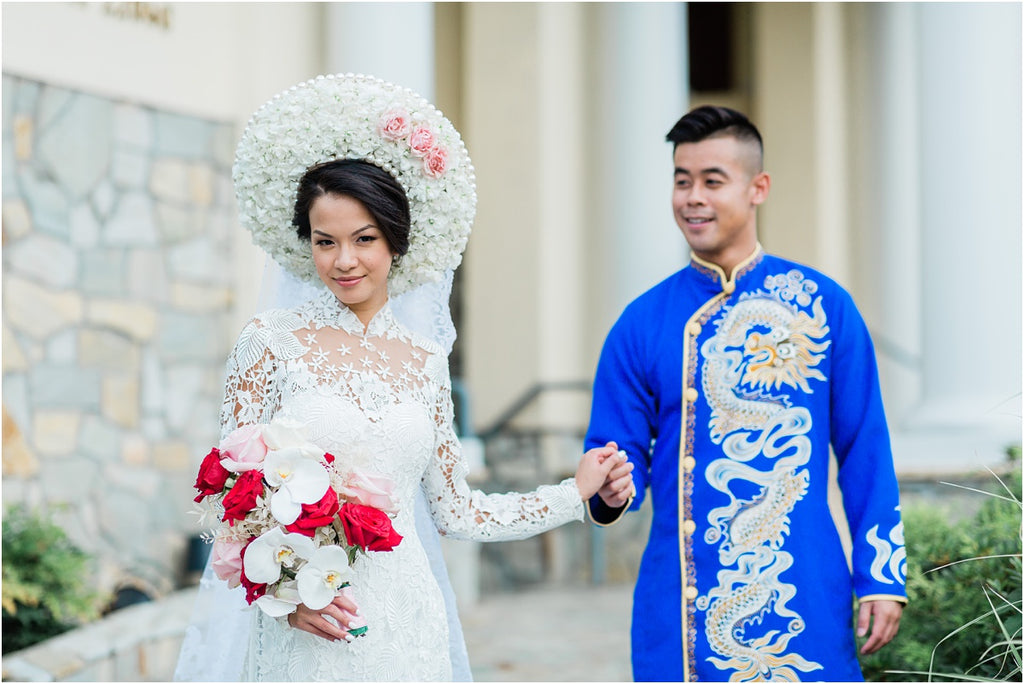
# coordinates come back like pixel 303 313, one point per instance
pixel 379 399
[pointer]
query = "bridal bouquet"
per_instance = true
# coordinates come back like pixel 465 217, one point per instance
pixel 295 522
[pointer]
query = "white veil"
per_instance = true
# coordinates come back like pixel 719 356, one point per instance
pixel 217 636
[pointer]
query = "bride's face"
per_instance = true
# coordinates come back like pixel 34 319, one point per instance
pixel 352 256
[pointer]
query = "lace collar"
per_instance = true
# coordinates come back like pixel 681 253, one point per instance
pixel 329 312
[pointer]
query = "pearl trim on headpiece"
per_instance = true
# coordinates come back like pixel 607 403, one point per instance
pixel 353 116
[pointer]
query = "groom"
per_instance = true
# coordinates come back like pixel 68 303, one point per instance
pixel 727 384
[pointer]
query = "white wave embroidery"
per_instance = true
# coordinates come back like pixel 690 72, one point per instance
pixel 886 559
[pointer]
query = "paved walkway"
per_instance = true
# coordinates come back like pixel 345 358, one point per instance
pixel 551 634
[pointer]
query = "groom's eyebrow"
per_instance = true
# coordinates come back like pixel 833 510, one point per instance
pixel 703 172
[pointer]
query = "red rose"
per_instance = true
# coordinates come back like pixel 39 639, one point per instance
pixel 242 497
pixel 368 528
pixel 253 590
pixel 315 515
pixel 212 475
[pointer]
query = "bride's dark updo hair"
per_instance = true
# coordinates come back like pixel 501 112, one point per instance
pixel 370 185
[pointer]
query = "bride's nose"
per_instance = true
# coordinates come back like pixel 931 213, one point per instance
pixel 346 258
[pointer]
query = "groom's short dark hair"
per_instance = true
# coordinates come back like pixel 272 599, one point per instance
pixel 713 122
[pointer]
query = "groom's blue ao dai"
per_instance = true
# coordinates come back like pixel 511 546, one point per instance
pixel 727 395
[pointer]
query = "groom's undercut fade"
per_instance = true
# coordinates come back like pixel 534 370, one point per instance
pixel 710 121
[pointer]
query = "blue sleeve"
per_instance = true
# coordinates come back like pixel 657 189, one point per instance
pixel 623 409
pixel 867 478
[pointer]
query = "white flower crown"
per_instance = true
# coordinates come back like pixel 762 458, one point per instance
pixel 354 116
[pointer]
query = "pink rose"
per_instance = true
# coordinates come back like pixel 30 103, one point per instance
pixel 243 449
pixel 436 162
pixel 421 141
pixel 394 125
pixel 375 491
pixel 226 561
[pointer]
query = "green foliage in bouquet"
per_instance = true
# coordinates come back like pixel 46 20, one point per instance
pixel 963 619
pixel 46 587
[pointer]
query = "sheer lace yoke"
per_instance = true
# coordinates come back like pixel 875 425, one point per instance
pixel 375 367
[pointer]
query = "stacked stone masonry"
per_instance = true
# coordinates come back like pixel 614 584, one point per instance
pixel 117 229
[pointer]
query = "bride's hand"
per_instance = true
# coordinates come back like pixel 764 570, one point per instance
pixel 594 468
pixel 343 611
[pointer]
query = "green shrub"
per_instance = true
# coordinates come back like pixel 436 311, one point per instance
pixel 963 617
pixel 46 587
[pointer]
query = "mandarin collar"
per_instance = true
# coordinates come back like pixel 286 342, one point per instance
pixel 340 316
pixel 728 281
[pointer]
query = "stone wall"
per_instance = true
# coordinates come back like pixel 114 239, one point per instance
pixel 117 225
pixel 137 644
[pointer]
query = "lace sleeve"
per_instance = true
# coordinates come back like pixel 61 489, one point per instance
pixel 250 393
pixel 462 513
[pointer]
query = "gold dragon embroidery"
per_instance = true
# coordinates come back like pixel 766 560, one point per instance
pixel 764 346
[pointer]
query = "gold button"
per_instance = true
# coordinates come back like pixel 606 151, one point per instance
pixel 693 328
pixel 689 527
pixel 690 394
pixel 729 287
pixel 689 463
pixel 690 593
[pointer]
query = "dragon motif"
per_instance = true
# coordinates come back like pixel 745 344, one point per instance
pixel 741 601
pixel 764 346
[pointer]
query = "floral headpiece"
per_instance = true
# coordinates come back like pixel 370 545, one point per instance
pixel 351 116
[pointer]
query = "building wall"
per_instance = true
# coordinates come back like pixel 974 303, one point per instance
pixel 116 225
pixel 125 274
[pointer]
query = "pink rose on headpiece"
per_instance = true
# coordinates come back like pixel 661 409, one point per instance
pixel 421 141
pixel 436 162
pixel 394 125
pixel 243 449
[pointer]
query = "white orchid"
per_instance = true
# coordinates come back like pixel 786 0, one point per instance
pixel 272 550
pixel 322 576
pixel 284 601
pixel 298 478
pixel 284 433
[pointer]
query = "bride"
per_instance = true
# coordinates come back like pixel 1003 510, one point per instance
pixel 364 188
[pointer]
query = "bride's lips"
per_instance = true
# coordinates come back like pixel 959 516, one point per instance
pixel 348 282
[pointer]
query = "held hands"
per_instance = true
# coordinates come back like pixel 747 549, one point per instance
pixel 604 468
pixel 886 617
pixel 331 622
pixel 618 487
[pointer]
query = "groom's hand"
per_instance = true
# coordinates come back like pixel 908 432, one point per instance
pixel 618 486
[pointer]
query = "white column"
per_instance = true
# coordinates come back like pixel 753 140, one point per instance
pixel 969 91
pixel 830 139
pixel 561 167
pixel 390 40
pixel 894 226
pixel 641 91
